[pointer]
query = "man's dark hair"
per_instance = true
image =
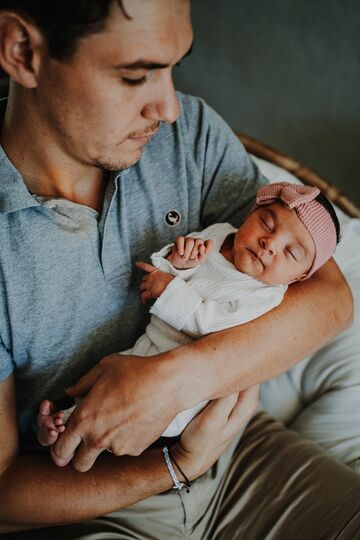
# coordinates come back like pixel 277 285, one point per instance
pixel 329 207
pixel 64 22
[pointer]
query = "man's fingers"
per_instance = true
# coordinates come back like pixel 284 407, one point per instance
pixel 144 297
pixel 85 458
pixel 218 410
pixel 85 383
pixel 246 405
pixel 224 406
pixel 59 462
pixel 63 450
pixel 144 284
pixel 146 267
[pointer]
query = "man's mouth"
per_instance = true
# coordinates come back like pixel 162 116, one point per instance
pixel 144 135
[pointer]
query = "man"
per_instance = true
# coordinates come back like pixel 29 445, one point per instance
pixel 81 109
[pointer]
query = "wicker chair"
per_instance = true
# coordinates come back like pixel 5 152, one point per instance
pixel 304 174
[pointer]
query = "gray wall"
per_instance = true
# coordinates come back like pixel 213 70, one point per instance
pixel 286 72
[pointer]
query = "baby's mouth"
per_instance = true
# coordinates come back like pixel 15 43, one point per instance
pixel 256 256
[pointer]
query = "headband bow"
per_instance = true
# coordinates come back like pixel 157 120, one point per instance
pixel 291 194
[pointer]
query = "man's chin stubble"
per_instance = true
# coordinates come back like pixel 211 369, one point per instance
pixel 108 165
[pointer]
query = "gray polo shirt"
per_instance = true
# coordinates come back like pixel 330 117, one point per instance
pixel 69 288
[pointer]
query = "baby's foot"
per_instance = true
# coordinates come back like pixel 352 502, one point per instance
pixel 50 423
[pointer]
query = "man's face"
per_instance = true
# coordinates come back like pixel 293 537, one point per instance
pixel 273 245
pixel 103 104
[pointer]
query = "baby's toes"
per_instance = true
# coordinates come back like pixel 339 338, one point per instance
pixel 52 436
pixel 45 422
pixel 45 407
pixel 47 435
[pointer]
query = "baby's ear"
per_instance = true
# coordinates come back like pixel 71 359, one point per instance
pixel 300 278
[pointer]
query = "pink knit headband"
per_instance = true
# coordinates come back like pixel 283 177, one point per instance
pixel 311 213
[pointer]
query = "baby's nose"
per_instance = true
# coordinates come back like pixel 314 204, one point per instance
pixel 269 245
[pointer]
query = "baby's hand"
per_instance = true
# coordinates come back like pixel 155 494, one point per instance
pixel 154 283
pixel 189 252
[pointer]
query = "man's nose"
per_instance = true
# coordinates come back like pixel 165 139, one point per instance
pixel 164 107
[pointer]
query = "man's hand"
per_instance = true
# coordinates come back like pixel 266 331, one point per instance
pixel 129 401
pixel 154 283
pixel 189 252
pixel 210 432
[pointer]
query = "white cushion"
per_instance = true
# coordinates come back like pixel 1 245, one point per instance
pixel 320 396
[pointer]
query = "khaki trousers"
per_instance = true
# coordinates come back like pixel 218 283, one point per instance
pixel 269 485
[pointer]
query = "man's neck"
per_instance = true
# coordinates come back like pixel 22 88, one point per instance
pixel 45 169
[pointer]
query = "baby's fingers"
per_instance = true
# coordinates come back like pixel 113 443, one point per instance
pixel 189 244
pixel 202 254
pixel 209 245
pixel 180 243
pixel 195 250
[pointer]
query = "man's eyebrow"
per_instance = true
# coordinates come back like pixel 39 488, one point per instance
pixel 148 64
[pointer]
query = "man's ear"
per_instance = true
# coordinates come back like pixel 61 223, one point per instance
pixel 21 44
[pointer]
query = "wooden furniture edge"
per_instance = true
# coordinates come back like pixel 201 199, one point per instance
pixel 304 174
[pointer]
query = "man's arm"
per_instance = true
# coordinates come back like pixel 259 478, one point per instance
pixel 312 313
pixel 34 492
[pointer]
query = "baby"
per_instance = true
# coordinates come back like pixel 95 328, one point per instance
pixel 223 277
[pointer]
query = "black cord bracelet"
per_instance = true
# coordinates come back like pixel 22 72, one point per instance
pixel 187 483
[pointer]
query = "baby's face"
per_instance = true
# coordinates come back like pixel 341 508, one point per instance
pixel 273 246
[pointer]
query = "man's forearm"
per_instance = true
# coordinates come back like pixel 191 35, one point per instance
pixel 34 492
pixel 312 313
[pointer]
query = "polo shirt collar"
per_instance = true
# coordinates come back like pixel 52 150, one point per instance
pixel 14 194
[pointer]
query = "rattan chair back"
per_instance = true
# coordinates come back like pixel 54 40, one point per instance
pixel 304 174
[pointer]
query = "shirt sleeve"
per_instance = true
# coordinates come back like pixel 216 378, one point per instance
pixel 185 310
pixel 6 362
pixel 230 178
pixel 160 261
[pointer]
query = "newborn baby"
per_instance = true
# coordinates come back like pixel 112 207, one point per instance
pixel 223 277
